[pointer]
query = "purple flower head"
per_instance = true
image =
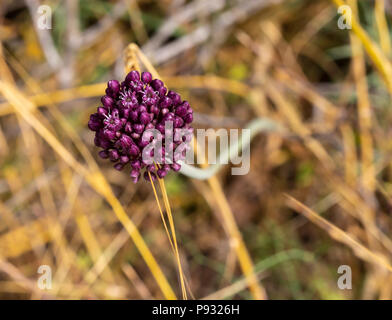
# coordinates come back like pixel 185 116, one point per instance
pixel 140 103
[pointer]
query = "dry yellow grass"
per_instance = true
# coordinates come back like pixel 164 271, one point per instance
pixel 329 88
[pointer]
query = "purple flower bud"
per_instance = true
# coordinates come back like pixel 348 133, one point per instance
pixel 102 112
pixel 185 104
pixel 132 76
pixel 126 141
pixel 136 179
pixel 144 118
pixel 97 141
pixel 161 128
pixel 156 84
pixel 126 113
pixel 128 127
pixel 149 96
pixel 176 167
pixel 113 124
pixel 176 98
pixel 154 110
pixel 113 87
pixel 162 91
pixel 136 164
pixel 124 159
pixel 150 168
pixel 141 109
pixel 105 143
pixel 133 115
pixel 135 135
pixel 138 128
pixel 178 122
pixel 166 102
pixel 113 155
pixel 168 117
pixel 149 126
pixel 143 143
pixel 181 110
pixel 104 154
pixel 119 166
pixel 188 118
pixel 161 173
pixel 134 173
pixel 146 77
pixel 107 101
pixel 134 150
pixel 109 134
pixel 136 86
pixel 94 123
pixel 128 99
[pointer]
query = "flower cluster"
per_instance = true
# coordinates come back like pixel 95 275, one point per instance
pixel 128 110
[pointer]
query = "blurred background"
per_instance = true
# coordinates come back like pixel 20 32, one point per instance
pixel 318 195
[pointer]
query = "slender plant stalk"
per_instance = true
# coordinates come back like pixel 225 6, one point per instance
pixel 161 212
pixel 171 237
pixel 173 231
pixel 364 109
pixel 382 26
